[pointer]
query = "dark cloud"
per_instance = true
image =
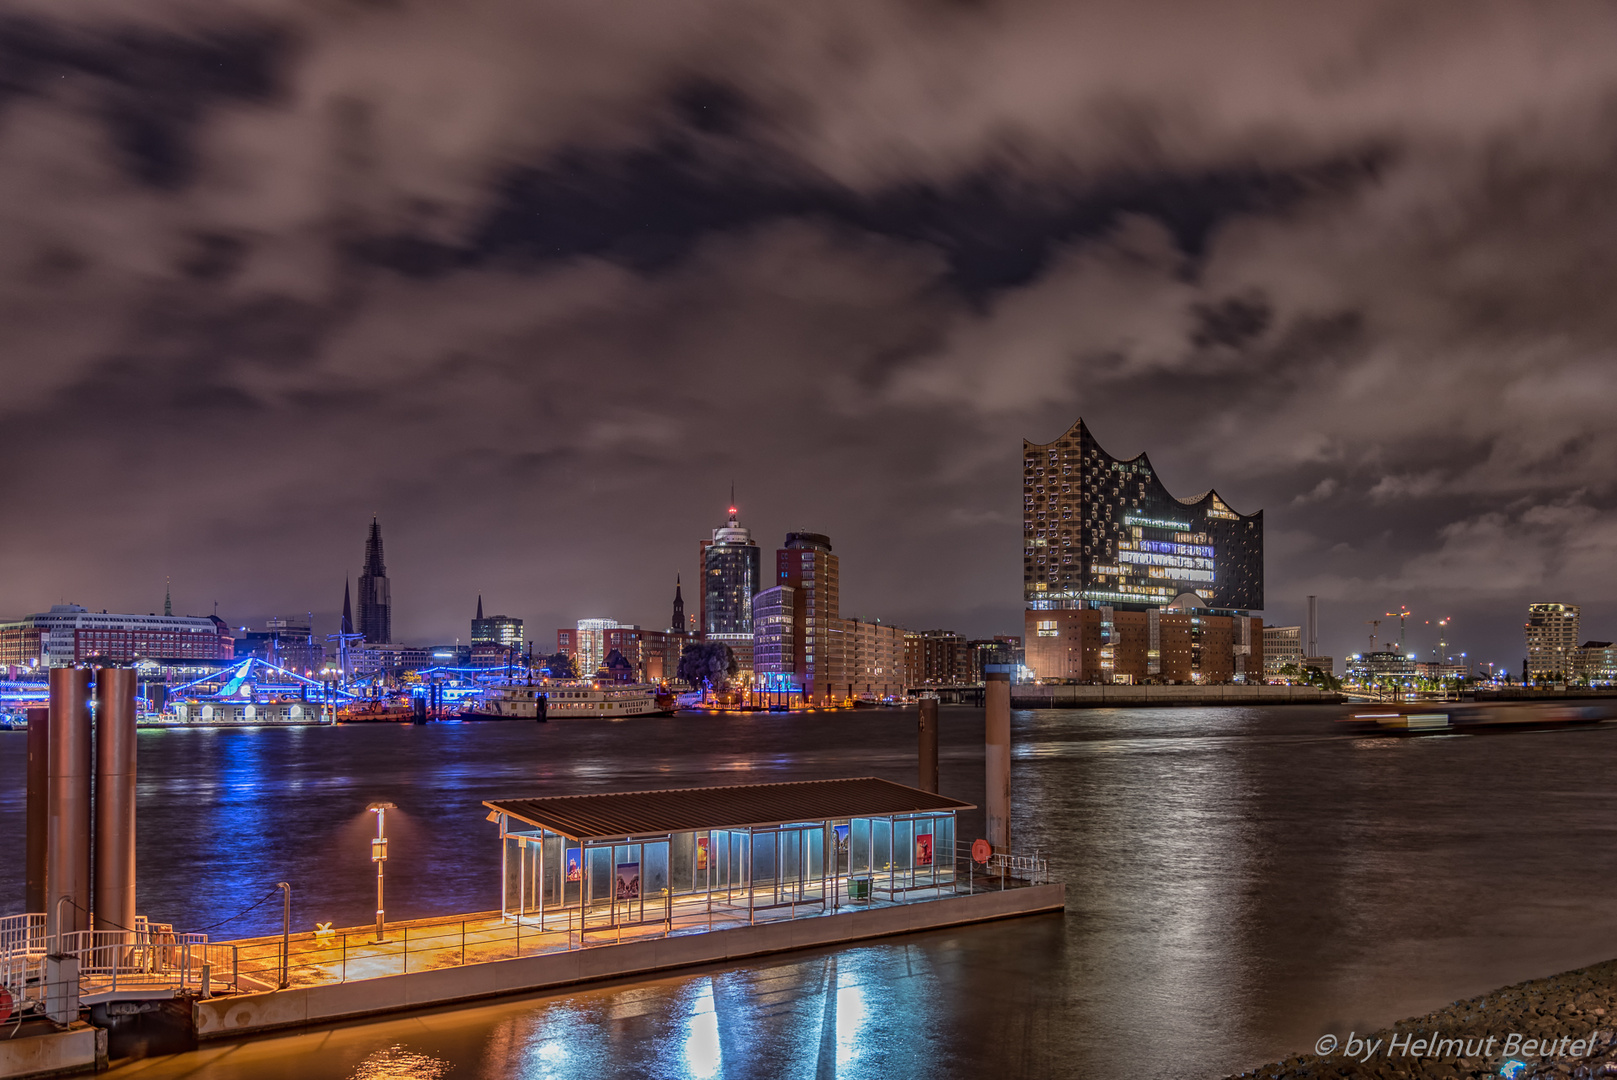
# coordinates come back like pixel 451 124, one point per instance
pixel 536 284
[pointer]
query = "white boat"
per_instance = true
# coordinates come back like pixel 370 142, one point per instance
pixel 586 701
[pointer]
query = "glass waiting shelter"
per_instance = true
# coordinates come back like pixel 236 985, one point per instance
pixel 747 851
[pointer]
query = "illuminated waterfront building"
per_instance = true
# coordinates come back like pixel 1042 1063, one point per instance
pixel 774 639
pixel 936 658
pixel 652 654
pixel 587 643
pixel 1282 645
pixel 819 642
pixel 1123 582
pixel 1595 662
pixel 731 577
pixel 68 634
pixel 1552 637
pixel 375 593
pixel 876 659
pixel 1381 666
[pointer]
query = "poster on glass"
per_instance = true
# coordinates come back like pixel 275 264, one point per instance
pixel 701 853
pixel 628 881
pixel 923 849
pixel 575 864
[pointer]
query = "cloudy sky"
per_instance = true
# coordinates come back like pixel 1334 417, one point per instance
pixel 536 281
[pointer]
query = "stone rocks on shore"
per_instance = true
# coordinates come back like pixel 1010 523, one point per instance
pixel 1565 1028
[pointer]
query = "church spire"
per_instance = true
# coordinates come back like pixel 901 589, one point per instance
pixel 679 607
pixel 347 611
pixel 479 606
pixel 168 596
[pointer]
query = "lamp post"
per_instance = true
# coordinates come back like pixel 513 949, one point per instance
pixel 379 856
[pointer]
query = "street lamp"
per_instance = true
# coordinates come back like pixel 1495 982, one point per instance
pixel 379 856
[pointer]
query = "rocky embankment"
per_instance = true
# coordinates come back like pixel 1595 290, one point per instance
pixel 1557 1028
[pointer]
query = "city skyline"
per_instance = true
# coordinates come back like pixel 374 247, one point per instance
pixel 539 326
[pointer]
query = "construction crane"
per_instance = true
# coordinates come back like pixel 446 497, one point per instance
pixel 1442 649
pixel 1402 617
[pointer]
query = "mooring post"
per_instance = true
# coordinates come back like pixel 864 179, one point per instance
pixel 115 804
pixel 997 759
pixel 38 810
pixel 928 746
pixel 286 932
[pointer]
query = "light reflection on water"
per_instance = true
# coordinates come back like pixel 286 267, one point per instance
pixel 1240 881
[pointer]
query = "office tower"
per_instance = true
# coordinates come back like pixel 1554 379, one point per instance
pixel 375 597
pixel 731 576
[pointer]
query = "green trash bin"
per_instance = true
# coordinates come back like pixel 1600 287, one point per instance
pixel 859 890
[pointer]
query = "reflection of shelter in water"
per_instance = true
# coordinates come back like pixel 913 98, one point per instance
pixel 625 859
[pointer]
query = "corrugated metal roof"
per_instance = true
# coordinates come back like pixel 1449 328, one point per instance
pixel 642 813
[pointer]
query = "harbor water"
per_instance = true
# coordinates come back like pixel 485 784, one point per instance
pixel 1241 881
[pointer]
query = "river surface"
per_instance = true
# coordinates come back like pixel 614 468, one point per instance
pixel 1241 881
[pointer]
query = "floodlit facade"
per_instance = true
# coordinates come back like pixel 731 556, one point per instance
pixel 731 577
pixel 1552 637
pixel 774 639
pixel 1123 582
pixel 820 656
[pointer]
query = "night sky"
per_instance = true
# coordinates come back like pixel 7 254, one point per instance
pixel 535 282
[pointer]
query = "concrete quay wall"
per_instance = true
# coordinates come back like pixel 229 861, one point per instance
pixel 81 1048
pixel 246 1014
pixel 1120 696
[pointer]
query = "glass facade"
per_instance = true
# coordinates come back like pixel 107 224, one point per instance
pixel 1098 530
pixel 632 881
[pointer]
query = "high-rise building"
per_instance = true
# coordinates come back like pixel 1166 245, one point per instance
pixel 496 629
pixel 774 639
pixel 678 625
pixel 731 577
pixel 375 596
pixel 819 643
pixel 1552 636
pixel 1120 577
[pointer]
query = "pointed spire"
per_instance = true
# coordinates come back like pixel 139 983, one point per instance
pixel 168 596
pixel 374 566
pixel 347 610
pixel 479 606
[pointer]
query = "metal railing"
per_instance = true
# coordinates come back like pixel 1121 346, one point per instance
pixel 1003 870
pixel 153 956
pixel 150 956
